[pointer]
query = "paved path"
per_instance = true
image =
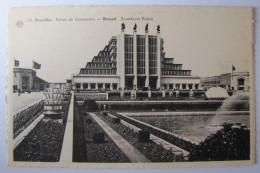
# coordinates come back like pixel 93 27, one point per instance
pixel 22 135
pixel 131 152
pixel 25 99
pixel 67 145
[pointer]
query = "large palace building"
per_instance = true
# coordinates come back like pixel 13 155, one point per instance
pixel 134 61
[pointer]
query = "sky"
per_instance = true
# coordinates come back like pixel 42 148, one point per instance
pixel 207 41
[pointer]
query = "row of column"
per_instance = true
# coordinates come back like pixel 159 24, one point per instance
pixel 174 86
pixel 181 86
pixel 96 86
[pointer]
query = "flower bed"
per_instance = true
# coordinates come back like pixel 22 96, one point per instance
pixel 42 144
pixel 151 150
pixel 24 118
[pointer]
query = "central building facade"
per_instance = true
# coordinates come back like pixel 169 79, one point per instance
pixel 131 61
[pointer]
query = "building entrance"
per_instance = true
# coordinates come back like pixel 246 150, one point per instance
pixel 129 82
pixel 241 84
pixel 153 82
pixel 140 82
pixel 25 82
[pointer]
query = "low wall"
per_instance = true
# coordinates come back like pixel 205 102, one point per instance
pixel 91 96
pixel 185 105
pixel 24 118
pixel 170 137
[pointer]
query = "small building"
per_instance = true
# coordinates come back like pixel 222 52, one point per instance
pixel 26 79
pixel 230 81
pixel 131 61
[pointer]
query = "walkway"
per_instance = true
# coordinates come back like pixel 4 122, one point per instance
pixel 24 100
pixel 67 145
pixel 131 152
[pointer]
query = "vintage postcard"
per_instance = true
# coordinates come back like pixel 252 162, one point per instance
pixel 131 87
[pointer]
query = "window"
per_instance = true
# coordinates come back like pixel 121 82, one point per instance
pixel 100 85
pixel 152 55
pixel 128 54
pixel 78 85
pixel 85 85
pixel 114 86
pixel 92 85
pixel 140 54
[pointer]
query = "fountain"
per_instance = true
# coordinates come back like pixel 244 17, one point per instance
pixel 234 110
pixel 53 103
pixel 66 91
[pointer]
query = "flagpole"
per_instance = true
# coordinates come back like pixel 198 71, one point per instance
pixel 232 72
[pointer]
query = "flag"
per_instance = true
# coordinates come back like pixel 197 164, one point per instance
pixel 36 65
pixel 233 68
pixel 16 63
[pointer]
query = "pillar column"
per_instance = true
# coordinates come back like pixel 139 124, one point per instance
pixel 81 86
pixel 149 93
pixel 146 58
pixel 158 45
pixel 121 58
pixel 96 85
pixel 135 58
pixel 111 86
pixel 163 93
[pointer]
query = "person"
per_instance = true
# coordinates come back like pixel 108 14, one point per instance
pixel 191 93
pixel 177 93
pixel 19 92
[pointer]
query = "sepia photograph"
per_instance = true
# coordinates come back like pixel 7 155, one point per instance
pixel 131 87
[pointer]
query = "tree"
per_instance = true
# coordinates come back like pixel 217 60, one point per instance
pixel 226 144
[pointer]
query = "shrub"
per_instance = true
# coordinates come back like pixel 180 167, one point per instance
pixel 116 120
pixel 90 105
pixel 226 144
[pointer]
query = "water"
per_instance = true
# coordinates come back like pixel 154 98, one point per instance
pixel 194 128
pixel 197 128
